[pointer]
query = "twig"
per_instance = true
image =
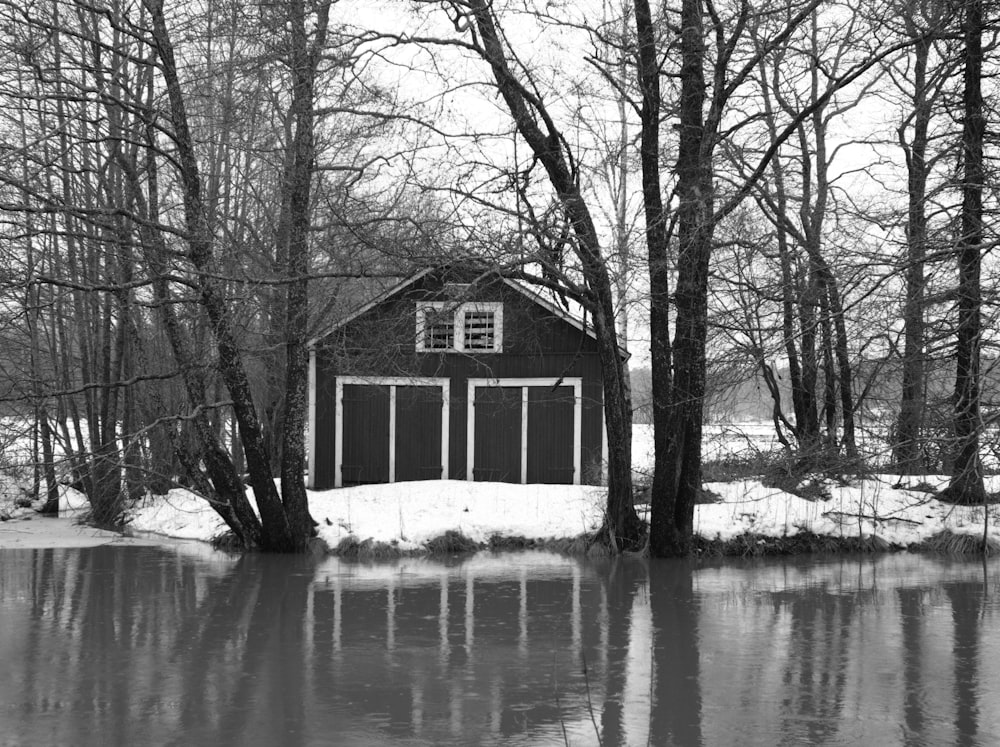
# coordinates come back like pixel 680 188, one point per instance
pixel 590 704
pixel 844 514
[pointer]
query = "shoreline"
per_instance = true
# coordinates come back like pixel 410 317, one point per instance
pixel 35 532
pixel 877 513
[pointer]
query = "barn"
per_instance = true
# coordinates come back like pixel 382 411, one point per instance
pixel 456 373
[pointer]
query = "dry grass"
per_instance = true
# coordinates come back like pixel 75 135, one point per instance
pixel 757 545
pixel 500 543
pixel 949 543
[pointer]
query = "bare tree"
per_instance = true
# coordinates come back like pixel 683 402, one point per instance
pixel 568 226
pixel 966 485
pixel 148 170
pixel 704 122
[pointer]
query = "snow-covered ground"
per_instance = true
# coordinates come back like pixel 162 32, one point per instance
pixel 406 514
pixel 739 440
pixel 409 514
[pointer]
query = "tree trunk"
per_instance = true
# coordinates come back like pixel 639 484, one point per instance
pixel 672 524
pixel 966 485
pixel 622 525
pixel 276 532
pixel 657 245
pixel 297 183
pixel 906 439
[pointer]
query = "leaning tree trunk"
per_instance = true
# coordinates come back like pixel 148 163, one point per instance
pixel 276 532
pixel 622 525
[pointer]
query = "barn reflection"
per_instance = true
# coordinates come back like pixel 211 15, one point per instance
pixel 450 654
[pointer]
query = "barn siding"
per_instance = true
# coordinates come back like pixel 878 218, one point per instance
pixel 536 344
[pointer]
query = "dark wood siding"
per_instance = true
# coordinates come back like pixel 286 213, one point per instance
pixel 418 433
pixel 324 440
pixel 366 434
pixel 537 343
pixel 550 434
pixel 497 454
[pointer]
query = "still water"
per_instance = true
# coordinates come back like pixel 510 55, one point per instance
pixel 155 646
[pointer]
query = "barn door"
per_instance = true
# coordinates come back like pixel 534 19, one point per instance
pixel 497 456
pixel 365 434
pixel 418 433
pixel 550 435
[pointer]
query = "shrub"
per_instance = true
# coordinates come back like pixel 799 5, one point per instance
pixel 451 543
pixel 369 549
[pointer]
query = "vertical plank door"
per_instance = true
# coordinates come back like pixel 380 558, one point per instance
pixel 497 455
pixel 366 434
pixel 550 435
pixel 418 433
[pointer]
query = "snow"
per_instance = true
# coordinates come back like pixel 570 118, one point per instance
pixel 409 514
pixel 25 532
pixel 900 511
pixel 866 507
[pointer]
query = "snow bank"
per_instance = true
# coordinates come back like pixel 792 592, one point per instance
pixel 874 506
pixel 406 513
pixel 410 513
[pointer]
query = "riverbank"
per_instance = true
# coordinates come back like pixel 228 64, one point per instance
pixel 876 513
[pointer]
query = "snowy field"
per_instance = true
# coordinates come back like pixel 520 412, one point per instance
pixel 738 440
pixel 409 514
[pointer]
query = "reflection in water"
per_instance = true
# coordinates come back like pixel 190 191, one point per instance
pixel 125 645
pixel 966 604
pixel 676 707
pixel 912 623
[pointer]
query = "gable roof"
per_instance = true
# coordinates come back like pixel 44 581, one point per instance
pixel 388 293
pixel 553 308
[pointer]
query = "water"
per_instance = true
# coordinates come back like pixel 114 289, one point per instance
pixel 154 646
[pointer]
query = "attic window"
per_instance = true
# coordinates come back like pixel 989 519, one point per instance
pixel 460 328
pixel 439 329
pixel 479 327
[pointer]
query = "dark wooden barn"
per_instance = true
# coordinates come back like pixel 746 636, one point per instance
pixel 391 386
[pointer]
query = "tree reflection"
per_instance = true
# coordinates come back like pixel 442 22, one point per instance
pixel 815 678
pixel 911 613
pixel 966 608
pixel 675 710
pixel 251 634
pixel 622 582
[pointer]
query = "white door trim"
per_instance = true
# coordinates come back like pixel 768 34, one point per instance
pixel 311 432
pixel 392 382
pixel 470 440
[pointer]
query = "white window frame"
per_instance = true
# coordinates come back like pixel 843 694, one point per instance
pixel 574 381
pixel 458 311
pixel 437 307
pixel 392 382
